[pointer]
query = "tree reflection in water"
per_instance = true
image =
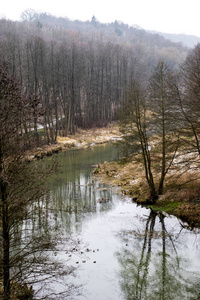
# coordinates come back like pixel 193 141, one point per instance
pixel 154 271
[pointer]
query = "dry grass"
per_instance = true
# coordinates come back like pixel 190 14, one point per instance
pixel 181 195
pixel 189 213
pixel 129 177
pixel 81 140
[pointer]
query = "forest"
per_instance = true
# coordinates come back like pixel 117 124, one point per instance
pixel 57 76
pixel 77 73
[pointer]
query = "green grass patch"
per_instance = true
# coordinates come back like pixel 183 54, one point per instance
pixel 163 206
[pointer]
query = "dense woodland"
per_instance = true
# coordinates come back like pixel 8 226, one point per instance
pixel 76 72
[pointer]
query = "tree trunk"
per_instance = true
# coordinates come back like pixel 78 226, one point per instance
pixel 6 236
pixel 6 244
pixel 163 170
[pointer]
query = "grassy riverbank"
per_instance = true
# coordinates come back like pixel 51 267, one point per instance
pixel 181 200
pixel 83 139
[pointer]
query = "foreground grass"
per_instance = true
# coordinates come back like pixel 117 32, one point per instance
pixel 18 291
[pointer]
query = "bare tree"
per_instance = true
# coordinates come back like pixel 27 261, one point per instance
pixel 22 185
pixel 164 106
pixel 134 126
pixel 148 124
pixel 189 95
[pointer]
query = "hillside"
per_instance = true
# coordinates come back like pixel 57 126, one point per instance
pixel 117 30
pixel 186 40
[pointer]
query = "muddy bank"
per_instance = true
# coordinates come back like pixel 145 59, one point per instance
pixel 181 201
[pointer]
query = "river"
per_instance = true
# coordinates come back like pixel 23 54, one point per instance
pixel 120 251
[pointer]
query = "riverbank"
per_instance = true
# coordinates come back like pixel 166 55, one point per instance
pixel 83 139
pixel 181 200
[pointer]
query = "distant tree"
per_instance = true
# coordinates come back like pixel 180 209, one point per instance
pixel 29 15
pixel 189 95
pixel 94 20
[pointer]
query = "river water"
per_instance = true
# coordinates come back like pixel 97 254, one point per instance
pixel 120 251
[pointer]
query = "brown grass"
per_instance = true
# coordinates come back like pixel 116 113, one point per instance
pixel 81 140
pixel 180 189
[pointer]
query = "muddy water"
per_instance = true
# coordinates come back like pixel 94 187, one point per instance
pixel 122 251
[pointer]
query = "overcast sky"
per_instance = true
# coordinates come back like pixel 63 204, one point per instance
pixel 169 16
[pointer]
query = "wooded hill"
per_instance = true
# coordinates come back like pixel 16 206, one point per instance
pixel 188 40
pixel 77 73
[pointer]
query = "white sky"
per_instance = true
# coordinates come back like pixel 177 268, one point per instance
pixel 169 16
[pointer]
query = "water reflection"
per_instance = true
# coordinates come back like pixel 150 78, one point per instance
pixel 138 254
pixel 153 268
pixel 76 201
pixel 156 258
pixel 74 194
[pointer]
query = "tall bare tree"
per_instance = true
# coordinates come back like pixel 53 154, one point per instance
pixel 189 97
pixel 163 104
pixel 21 184
pixel 149 126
